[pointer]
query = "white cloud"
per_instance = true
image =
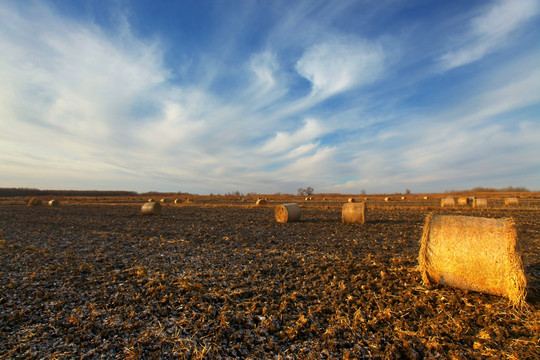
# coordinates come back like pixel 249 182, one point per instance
pixel 283 141
pixel 340 63
pixel 491 31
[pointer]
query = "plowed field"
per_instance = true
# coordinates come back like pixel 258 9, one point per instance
pixel 103 281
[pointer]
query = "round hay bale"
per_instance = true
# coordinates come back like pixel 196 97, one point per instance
pixel 287 213
pixel 387 199
pixel 177 201
pixel 353 213
pixel 260 202
pixel 448 202
pixel 54 202
pixel 473 253
pixel 425 198
pixel 463 201
pixel 403 198
pixel 163 201
pixel 150 200
pixel 151 208
pixel 480 203
pixel 351 200
pixel 34 202
pixel 511 201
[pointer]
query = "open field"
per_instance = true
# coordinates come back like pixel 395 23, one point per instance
pixel 220 278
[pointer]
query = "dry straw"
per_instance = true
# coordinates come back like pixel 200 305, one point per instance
pixel 387 199
pixel 480 203
pixel 448 202
pixel 151 208
pixel 260 202
pixel 287 213
pixel 163 201
pixel 473 253
pixel 34 202
pixel 353 213
pixel 511 201
pixel 351 200
pixel 463 201
pixel 177 201
pixel 54 202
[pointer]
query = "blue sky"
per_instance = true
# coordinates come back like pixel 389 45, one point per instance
pixel 269 96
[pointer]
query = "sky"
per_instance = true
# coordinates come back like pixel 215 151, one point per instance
pixel 210 96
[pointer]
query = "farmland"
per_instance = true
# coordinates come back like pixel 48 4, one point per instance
pixel 219 278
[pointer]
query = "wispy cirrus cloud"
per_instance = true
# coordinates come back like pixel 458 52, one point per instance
pixel 490 31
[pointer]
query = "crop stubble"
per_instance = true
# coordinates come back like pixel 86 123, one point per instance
pixel 103 281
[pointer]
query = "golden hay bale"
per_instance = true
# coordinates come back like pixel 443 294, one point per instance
pixel 351 200
pixel 425 198
pixel 177 201
pixel 448 202
pixel 151 208
pixel 387 199
pixel 511 201
pixel 473 253
pixel 34 202
pixel 287 213
pixel 54 202
pixel 163 201
pixel 462 201
pixel 353 213
pixel 480 203
pixel 403 198
pixel 150 200
pixel 260 202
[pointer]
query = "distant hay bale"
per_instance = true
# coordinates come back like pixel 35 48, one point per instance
pixel 34 202
pixel 425 198
pixel 387 199
pixel 351 200
pixel 480 203
pixel 463 201
pixel 151 208
pixel 324 198
pixel 260 202
pixel 403 198
pixel 54 202
pixel 353 213
pixel 448 202
pixel 163 201
pixel 150 200
pixel 511 201
pixel 188 201
pixel 177 201
pixel 473 253
pixel 287 213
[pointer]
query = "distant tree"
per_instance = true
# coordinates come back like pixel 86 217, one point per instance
pixel 301 191
pixel 309 190
pixel 363 192
pixel 408 192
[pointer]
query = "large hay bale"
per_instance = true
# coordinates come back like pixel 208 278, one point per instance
pixel 511 201
pixel 448 202
pixel 287 213
pixel 260 202
pixel 54 202
pixel 34 202
pixel 353 213
pixel 480 203
pixel 151 208
pixel 473 253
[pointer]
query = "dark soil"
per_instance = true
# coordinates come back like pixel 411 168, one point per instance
pixel 228 282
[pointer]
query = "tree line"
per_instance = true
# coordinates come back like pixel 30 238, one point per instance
pixel 9 192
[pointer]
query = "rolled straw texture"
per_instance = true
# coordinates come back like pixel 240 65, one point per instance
pixel 462 201
pixel 54 202
pixel 287 213
pixel 511 201
pixel 34 202
pixel 177 201
pixel 260 202
pixel 448 202
pixel 351 200
pixel 480 203
pixel 473 253
pixel 151 208
pixel 353 213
